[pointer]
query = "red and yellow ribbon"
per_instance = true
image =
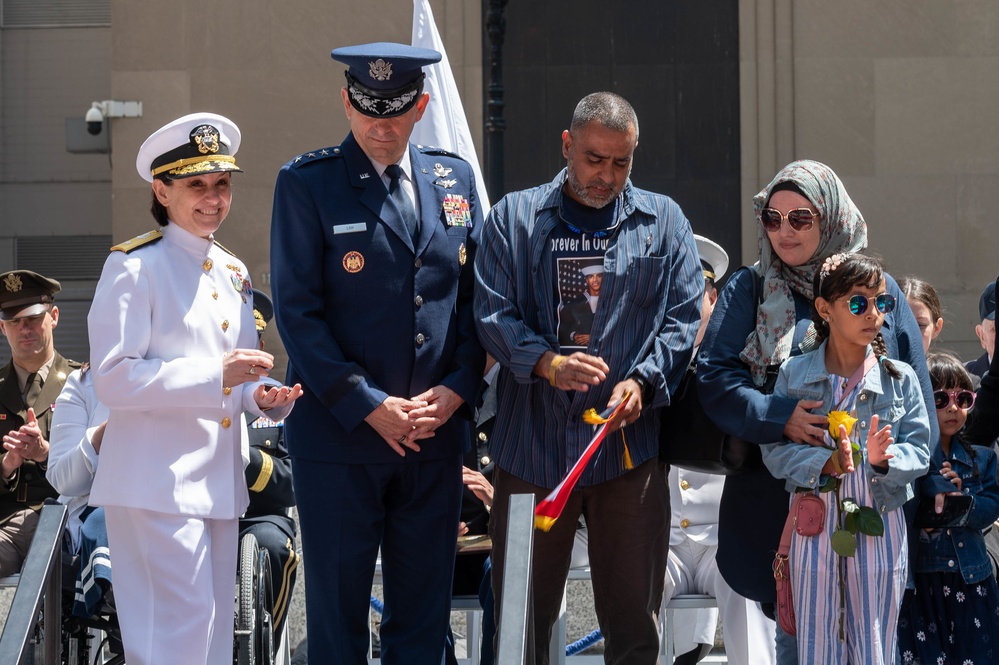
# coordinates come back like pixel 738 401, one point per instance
pixel 549 509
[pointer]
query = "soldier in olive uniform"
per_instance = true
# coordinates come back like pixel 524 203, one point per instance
pixel 29 385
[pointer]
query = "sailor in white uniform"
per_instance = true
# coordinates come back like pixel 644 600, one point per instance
pixel 175 360
pixel 694 501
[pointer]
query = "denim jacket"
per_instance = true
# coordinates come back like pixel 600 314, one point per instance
pixel 898 402
pixel 964 547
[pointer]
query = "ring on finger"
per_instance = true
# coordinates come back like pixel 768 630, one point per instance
pixel 253 369
pixel 402 439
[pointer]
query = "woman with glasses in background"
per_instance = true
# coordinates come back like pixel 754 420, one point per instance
pixel 804 216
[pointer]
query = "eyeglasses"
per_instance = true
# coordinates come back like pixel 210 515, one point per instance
pixel 883 302
pixel 800 219
pixel 965 399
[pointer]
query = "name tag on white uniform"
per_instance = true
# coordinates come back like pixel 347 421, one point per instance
pixel 350 228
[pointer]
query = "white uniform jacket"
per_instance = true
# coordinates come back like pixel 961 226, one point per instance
pixel 72 458
pixel 694 500
pixel 164 314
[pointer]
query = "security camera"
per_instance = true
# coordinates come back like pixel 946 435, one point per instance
pixel 94 119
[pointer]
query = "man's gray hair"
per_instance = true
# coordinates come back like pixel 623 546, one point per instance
pixel 610 110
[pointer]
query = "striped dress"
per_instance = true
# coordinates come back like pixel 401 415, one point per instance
pixel 874 578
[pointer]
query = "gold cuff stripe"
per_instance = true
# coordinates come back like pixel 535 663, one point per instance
pixel 266 469
pixel 281 602
pixel 192 160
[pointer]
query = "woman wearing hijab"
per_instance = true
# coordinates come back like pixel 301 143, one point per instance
pixel 805 215
pixel 175 357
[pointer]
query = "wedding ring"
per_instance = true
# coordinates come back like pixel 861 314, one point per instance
pixel 402 439
pixel 253 369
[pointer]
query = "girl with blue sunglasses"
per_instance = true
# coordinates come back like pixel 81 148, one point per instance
pixel 848 567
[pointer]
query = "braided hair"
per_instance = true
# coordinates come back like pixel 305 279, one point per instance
pixel 947 372
pixel 838 275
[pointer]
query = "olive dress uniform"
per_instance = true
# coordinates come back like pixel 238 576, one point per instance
pixel 28 488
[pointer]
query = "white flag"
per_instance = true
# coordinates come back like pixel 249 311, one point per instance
pixel 443 124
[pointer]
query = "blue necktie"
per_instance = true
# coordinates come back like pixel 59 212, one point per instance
pixel 402 202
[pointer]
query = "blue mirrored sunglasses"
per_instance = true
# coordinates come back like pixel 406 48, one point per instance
pixel 884 303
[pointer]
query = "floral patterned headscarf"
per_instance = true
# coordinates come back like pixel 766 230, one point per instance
pixel 842 230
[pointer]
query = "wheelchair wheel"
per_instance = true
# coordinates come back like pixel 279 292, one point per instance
pixel 254 626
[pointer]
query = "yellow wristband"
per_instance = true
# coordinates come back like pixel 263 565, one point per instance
pixel 556 361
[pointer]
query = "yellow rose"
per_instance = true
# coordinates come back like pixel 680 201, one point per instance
pixel 837 418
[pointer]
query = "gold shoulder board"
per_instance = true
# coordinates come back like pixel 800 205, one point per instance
pixel 138 241
pixel 225 249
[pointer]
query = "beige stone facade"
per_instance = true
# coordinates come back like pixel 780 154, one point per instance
pixel 900 98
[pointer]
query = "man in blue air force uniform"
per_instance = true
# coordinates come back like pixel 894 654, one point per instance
pixel 372 244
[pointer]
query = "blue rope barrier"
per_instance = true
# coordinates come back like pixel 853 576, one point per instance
pixel 578 646
pixel 583 643
pixel 377 605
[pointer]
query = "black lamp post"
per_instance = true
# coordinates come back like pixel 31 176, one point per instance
pixel 495 124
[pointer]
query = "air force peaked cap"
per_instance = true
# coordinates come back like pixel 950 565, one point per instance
pixel 384 79
pixel 714 259
pixel 195 144
pixel 25 293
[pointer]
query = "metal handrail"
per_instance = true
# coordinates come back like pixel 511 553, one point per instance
pixel 41 582
pixel 515 610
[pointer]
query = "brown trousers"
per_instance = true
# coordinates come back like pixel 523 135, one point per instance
pixel 15 539
pixel 627 520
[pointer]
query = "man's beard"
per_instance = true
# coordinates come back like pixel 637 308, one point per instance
pixel 583 194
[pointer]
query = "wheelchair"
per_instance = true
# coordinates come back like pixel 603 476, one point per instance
pixel 254 640
pixel 96 640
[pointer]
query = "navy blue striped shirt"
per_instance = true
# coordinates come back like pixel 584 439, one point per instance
pixel 645 324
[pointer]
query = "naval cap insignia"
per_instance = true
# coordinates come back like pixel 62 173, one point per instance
pixel 440 170
pixel 207 138
pixel 380 70
pixel 353 262
pixel 12 283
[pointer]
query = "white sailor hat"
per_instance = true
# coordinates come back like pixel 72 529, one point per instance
pixel 384 79
pixel 196 144
pixel 595 269
pixel 714 259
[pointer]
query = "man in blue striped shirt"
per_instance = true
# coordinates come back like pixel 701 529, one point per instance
pixel 535 245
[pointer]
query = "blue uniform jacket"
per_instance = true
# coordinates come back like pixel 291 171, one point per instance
pixel 363 311
pixel 938 551
pixel 268 476
pixel 897 402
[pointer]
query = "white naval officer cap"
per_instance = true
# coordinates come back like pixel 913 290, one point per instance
pixel 714 259
pixel 195 144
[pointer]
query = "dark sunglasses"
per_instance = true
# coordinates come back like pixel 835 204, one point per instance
pixel 883 302
pixel 965 399
pixel 800 219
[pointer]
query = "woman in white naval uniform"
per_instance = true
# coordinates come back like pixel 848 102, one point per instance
pixel 174 351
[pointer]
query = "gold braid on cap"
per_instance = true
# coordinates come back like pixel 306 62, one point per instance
pixel 259 318
pixel 180 163
pixel 708 274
